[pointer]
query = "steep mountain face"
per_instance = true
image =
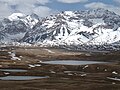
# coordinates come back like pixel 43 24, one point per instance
pixel 14 27
pixel 69 28
pixel 28 20
pixel 34 35
pixel 96 27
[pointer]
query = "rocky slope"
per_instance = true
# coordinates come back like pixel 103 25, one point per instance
pixel 14 28
pixel 69 28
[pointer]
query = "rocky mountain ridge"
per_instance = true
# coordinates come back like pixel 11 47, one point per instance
pixel 69 28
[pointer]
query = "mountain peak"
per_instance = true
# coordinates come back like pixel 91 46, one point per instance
pixel 28 20
pixel 16 16
pixel 69 28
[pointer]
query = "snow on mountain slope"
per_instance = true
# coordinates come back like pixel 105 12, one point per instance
pixel 68 28
pixel 108 37
pixel 16 16
pixel 82 27
pixel 13 28
pixel 12 31
pixel 29 20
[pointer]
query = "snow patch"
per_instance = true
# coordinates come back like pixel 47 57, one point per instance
pixel 116 79
pixel 48 50
pixel 16 16
pixel 13 56
pixel 114 72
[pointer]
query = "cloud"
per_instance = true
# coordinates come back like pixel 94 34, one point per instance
pixel 118 1
pixel 72 1
pixel 4 10
pixel 7 7
pixel 17 2
pixel 43 11
pixel 96 5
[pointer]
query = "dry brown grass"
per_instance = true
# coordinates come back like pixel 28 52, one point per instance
pixel 94 80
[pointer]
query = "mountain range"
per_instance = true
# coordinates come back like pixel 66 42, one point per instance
pixel 88 29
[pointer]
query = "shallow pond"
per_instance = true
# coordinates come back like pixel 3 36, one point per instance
pixel 22 77
pixel 13 70
pixel 71 62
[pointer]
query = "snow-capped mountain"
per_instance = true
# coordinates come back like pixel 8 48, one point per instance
pixel 14 27
pixel 68 28
pixel 29 20
pixel 78 27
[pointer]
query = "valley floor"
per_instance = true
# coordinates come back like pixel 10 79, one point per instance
pixel 102 76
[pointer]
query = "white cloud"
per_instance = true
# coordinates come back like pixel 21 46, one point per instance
pixel 117 1
pixel 4 10
pixel 96 5
pixel 17 2
pixel 24 6
pixel 72 1
pixel 42 11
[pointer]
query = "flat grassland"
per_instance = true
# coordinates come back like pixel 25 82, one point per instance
pixel 60 77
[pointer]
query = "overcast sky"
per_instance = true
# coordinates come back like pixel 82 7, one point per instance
pixel 44 8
